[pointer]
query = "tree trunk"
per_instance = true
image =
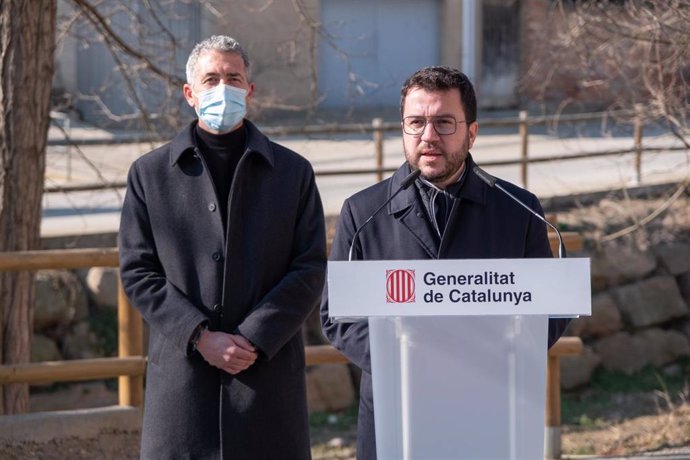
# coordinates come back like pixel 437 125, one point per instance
pixel 27 42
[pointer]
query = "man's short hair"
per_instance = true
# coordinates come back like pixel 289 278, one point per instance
pixel 442 78
pixel 221 43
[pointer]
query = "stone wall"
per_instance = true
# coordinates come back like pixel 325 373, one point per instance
pixel 73 313
pixel 640 289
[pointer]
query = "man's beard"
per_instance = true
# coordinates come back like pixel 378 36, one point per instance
pixel 453 163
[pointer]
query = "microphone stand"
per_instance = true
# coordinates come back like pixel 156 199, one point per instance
pixel 491 181
pixel 406 182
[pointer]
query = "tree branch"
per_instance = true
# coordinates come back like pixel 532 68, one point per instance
pixel 101 24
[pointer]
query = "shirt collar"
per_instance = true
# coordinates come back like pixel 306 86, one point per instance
pixel 257 142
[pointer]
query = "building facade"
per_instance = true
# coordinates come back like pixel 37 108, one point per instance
pixel 322 58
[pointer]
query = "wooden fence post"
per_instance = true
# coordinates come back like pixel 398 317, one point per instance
pixel 130 333
pixel 552 420
pixel 524 132
pixel 377 125
pixel 552 436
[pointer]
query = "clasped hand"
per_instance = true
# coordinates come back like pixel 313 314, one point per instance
pixel 229 352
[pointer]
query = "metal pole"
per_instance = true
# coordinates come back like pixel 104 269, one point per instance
pixel 637 141
pixel 377 125
pixel 524 132
pixel 69 150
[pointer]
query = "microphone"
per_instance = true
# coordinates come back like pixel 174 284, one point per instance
pixel 491 181
pixel 406 182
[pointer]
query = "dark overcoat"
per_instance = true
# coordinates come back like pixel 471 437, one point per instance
pixel 261 281
pixel 484 223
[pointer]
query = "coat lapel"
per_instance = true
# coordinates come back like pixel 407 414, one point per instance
pixel 194 182
pixel 407 209
pixel 472 192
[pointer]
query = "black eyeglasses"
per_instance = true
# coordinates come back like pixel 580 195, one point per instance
pixel 444 125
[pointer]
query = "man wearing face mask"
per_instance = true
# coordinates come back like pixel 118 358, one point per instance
pixel 222 249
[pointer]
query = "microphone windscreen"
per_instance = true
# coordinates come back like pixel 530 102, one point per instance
pixel 485 176
pixel 406 182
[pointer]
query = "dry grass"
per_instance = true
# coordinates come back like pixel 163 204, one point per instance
pixel 643 434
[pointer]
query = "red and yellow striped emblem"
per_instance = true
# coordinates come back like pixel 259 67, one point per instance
pixel 400 286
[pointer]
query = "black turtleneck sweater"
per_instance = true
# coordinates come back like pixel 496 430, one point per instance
pixel 222 153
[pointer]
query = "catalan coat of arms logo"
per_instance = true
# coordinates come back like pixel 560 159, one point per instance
pixel 400 286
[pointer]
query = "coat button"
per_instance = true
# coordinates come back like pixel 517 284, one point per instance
pixel 212 207
pixel 216 307
pixel 216 256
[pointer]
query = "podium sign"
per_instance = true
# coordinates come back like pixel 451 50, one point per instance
pixel 458 349
pixel 557 287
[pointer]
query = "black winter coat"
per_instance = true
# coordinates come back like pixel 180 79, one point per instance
pixel 483 224
pixel 261 281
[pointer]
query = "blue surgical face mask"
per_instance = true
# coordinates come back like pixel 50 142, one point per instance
pixel 222 107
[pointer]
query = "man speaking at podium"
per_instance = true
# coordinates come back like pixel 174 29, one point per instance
pixel 445 211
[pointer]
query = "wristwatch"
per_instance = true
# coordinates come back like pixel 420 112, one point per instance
pixel 196 335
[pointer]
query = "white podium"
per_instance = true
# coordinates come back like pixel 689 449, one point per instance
pixel 458 349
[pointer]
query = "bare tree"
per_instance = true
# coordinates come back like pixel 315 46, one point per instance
pixel 639 53
pixel 632 57
pixel 141 48
pixel 140 54
pixel 144 46
pixel 27 42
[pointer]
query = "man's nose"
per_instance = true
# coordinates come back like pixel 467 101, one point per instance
pixel 429 133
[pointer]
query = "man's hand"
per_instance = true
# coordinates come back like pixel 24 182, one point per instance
pixel 229 352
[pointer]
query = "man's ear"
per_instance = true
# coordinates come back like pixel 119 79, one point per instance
pixel 473 129
pixel 250 92
pixel 188 94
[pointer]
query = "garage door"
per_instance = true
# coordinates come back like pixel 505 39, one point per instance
pixel 371 47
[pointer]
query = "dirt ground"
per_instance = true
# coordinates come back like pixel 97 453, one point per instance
pixel 633 424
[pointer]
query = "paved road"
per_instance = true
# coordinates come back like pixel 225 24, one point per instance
pixel 93 212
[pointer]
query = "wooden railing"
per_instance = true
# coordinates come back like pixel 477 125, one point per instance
pixel 378 128
pixel 130 364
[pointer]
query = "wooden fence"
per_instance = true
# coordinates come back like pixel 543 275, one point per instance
pixel 130 363
pixel 378 128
